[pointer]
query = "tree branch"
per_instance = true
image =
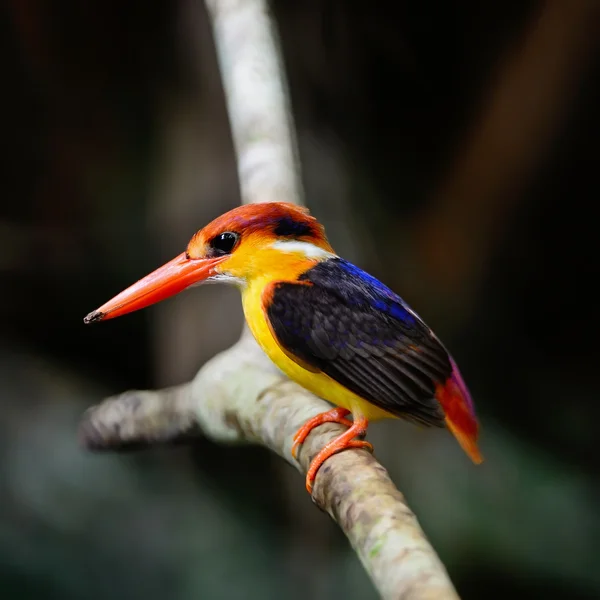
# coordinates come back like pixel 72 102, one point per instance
pixel 239 396
pixel 257 100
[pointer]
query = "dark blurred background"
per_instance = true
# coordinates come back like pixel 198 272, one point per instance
pixel 450 148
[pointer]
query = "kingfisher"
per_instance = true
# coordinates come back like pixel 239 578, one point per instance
pixel 327 324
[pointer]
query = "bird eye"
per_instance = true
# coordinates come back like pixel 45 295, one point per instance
pixel 223 243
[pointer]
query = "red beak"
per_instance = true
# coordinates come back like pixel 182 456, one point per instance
pixel 170 279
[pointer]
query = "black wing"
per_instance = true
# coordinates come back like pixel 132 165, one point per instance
pixel 347 324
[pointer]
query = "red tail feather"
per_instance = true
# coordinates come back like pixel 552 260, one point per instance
pixel 460 415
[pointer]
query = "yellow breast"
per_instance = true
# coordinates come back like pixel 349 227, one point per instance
pixel 316 382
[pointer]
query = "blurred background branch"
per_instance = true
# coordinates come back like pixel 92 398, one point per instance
pixel 530 89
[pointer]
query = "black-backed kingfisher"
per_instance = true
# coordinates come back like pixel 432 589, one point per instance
pixel 328 325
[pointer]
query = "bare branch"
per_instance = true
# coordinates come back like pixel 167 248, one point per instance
pixel 239 396
pixel 257 100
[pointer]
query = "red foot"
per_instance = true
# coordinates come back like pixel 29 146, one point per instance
pixel 335 415
pixel 346 440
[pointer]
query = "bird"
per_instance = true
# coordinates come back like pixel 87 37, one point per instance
pixel 327 324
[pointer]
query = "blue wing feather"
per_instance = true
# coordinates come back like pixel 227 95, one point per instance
pixel 382 297
pixel 355 329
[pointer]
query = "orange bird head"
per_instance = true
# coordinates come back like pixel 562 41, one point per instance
pixel 245 242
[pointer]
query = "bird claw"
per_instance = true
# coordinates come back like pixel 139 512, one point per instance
pixel 335 415
pixel 327 453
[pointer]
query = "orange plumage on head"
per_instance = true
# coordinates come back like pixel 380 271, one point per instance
pixel 261 219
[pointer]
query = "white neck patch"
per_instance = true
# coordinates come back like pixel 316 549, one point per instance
pixel 305 248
